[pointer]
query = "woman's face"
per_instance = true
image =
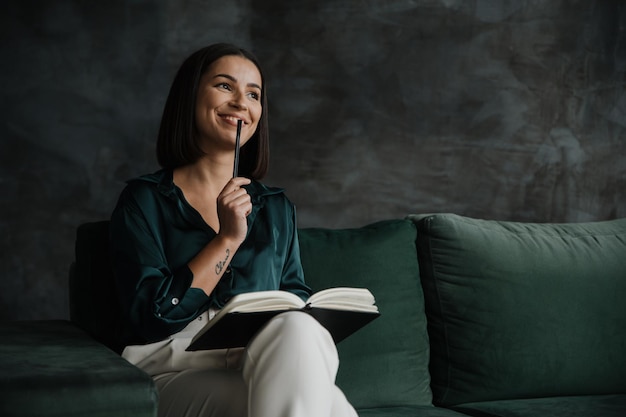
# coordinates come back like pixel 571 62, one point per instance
pixel 230 90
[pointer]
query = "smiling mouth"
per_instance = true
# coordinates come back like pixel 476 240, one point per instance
pixel 234 119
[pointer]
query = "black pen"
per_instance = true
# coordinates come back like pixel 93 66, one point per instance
pixel 237 139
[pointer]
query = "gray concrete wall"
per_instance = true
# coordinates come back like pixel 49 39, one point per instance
pixel 495 109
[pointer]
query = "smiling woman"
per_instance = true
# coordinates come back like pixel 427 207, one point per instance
pixel 186 239
pixel 229 91
pixel 178 143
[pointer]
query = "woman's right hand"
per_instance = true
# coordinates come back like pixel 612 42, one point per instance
pixel 233 207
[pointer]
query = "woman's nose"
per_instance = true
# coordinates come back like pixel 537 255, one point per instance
pixel 239 101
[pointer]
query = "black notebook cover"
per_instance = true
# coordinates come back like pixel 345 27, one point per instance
pixel 237 329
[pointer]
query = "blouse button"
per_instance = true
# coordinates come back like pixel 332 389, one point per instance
pixel 174 301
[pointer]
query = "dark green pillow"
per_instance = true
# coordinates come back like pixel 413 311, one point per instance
pixel 386 362
pixel 523 310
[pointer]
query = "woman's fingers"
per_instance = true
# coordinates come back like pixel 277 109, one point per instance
pixel 238 202
pixel 236 198
pixel 233 185
pixel 233 206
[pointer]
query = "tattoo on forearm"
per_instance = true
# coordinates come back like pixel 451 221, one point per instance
pixel 220 265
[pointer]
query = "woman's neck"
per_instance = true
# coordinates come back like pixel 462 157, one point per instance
pixel 204 174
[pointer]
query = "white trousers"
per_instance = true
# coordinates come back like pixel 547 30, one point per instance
pixel 288 370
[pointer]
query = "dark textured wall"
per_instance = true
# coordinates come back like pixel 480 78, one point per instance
pixel 496 109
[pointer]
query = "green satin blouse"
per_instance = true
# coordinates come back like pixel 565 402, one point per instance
pixel 154 234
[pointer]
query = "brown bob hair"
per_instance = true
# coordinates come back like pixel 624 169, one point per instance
pixel 177 143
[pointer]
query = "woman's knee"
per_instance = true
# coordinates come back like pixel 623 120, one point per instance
pixel 301 326
pixel 294 334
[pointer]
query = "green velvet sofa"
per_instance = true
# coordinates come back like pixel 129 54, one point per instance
pixel 478 317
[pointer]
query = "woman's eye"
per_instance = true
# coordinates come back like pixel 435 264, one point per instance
pixel 224 86
pixel 253 95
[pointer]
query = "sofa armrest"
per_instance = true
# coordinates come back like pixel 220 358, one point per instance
pixel 53 368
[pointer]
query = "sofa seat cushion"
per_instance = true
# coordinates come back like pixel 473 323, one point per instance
pixel 580 406
pixel 52 368
pixel 386 362
pixel 417 411
pixel 523 310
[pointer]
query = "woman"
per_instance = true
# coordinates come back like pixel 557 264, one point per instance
pixel 187 238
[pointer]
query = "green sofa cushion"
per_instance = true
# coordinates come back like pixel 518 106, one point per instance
pixel 415 411
pixel 522 310
pixel 386 362
pixel 580 406
pixel 53 369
